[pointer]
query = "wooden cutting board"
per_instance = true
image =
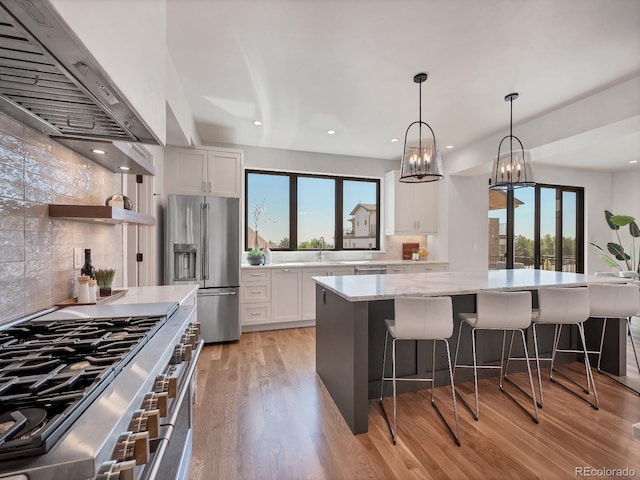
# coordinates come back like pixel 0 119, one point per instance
pixel 407 250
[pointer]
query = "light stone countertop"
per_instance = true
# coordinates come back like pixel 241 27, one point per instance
pixel 182 294
pixel 357 288
pixel 345 263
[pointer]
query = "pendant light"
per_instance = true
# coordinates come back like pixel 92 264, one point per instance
pixel 421 160
pixel 512 168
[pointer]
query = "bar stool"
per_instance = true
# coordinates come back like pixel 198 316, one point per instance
pixel 614 301
pixel 563 306
pixel 419 318
pixel 506 311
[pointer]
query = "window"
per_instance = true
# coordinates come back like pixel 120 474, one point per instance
pixel 543 226
pixel 295 211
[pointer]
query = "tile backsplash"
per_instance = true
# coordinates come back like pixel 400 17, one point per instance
pixel 36 252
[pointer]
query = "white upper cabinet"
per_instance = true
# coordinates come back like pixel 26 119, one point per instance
pixel 203 171
pixel 410 208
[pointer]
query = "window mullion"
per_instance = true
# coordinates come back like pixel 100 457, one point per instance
pixel 293 212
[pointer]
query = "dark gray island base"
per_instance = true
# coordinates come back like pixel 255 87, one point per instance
pixel 350 337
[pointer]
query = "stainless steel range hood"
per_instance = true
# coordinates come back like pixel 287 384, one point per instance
pixel 50 82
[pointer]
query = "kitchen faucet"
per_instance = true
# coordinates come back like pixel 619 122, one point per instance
pixel 320 247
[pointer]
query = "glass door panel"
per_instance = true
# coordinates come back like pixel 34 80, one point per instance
pixel 523 230
pixel 569 228
pixel 547 228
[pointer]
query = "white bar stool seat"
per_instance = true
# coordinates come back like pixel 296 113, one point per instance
pixel 560 306
pixel 614 301
pixel 505 311
pixel 419 318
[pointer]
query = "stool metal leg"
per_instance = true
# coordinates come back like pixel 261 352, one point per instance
pixel 456 434
pixel 587 366
pixel 384 362
pixel 633 344
pixel 533 416
pixel 604 327
pixel 535 347
pixel 475 373
pixel 393 368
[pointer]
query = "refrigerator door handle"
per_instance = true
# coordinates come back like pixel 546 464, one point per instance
pixel 205 241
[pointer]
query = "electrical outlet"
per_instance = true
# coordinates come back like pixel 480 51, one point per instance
pixel 77 258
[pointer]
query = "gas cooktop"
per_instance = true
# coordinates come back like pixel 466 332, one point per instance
pixel 53 367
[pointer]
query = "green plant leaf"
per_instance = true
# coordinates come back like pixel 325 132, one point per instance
pixel 617 251
pixel 621 220
pixel 607 216
pixel 610 261
pixel 634 230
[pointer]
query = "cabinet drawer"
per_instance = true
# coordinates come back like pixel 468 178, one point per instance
pixel 256 292
pixel 395 269
pixel 259 274
pixel 426 268
pixel 255 314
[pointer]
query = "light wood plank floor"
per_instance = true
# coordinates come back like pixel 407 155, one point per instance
pixel 262 413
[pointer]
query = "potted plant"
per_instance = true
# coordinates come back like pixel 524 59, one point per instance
pixel 618 257
pixel 104 278
pixel 255 257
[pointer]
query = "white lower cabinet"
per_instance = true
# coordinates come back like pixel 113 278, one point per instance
pixel 431 267
pixel 309 286
pixel 395 269
pixel 255 296
pixel 286 294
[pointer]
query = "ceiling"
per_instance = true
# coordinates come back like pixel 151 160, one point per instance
pixel 303 67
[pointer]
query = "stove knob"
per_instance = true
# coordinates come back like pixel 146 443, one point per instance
pixel 181 353
pixel 195 327
pixel 189 338
pixel 132 446
pixel 113 470
pixel 156 401
pixel 166 383
pixel 146 421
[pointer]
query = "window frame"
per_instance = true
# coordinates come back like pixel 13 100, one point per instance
pixel 293 207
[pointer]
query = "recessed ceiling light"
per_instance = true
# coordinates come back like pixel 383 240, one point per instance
pixel 633 161
pixel 125 168
pixel 394 140
pixel 257 123
pixel 449 147
pixel 98 151
pixel 331 132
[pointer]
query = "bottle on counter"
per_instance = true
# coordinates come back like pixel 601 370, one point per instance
pixel 88 269
pixel 83 289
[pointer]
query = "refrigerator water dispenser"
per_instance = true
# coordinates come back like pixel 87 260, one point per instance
pixel 184 261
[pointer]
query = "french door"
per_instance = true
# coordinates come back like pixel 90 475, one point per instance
pixel 538 227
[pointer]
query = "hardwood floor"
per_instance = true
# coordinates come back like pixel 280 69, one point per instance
pixel 261 412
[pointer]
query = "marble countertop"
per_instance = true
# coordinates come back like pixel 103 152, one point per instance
pixel 159 294
pixel 357 288
pixel 345 263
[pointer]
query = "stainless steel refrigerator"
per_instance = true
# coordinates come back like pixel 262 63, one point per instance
pixel 202 246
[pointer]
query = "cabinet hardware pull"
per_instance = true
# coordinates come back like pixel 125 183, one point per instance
pixel 204 186
pixel 256 291
pixel 255 314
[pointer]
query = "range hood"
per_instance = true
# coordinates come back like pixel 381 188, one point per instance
pixel 50 82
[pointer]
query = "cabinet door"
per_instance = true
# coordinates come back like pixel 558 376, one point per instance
pixel 186 171
pixel 309 291
pixel 425 202
pixel 286 295
pixel 224 171
pixel 337 271
pixel 405 220
pixel 437 267
pixel 395 269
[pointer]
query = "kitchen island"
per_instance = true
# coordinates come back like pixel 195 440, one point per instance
pixel 350 315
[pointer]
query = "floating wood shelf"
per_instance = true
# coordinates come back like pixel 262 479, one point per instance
pixel 99 214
